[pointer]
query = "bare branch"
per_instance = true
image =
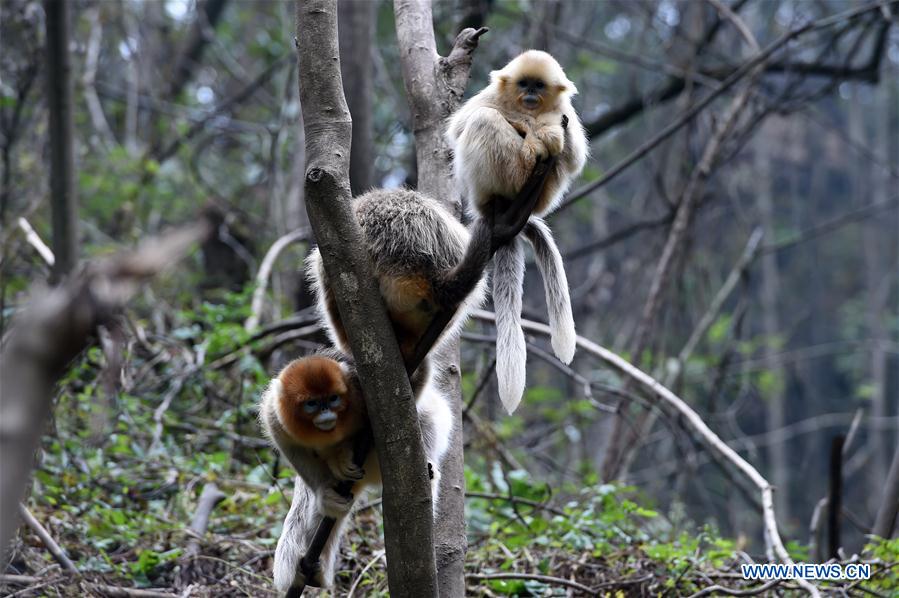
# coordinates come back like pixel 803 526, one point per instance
pixel 733 78
pixel 547 579
pixel 35 241
pixel 54 548
pixel 55 327
pixel 664 398
pixel 265 270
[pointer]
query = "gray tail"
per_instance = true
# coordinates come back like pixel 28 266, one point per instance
pixel 511 352
pixel 555 285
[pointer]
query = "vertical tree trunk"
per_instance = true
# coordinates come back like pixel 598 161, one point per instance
pixel 435 87
pixel 63 201
pixel 775 417
pixel 835 497
pixel 408 521
pixel 870 183
pixel 356 28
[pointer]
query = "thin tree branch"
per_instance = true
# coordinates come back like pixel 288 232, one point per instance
pixel 54 548
pixel 265 270
pixel 35 241
pixel 737 75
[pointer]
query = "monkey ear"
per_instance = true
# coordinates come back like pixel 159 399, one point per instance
pixel 567 87
pixel 499 77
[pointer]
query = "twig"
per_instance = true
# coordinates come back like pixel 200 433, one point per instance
pixel 379 554
pixel 54 548
pixel 265 270
pixel 517 499
pixel 209 498
pixel 485 431
pixel 35 241
pixel 547 579
pixel 30 580
pixel 711 314
pixel 290 335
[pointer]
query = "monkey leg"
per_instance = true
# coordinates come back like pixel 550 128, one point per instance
pixel 299 529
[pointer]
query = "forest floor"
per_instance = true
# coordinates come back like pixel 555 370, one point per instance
pixel 236 560
pixel 140 429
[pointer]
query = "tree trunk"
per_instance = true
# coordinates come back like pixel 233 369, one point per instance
pixel 63 201
pixel 775 417
pixel 871 184
pixel 408 521
pixel 208 14
pixel 356 28
pixel 435 87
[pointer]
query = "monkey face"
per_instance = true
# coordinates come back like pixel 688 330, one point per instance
pixel 533 81
pixel 323 411
pixel 531 91
pixel 316 404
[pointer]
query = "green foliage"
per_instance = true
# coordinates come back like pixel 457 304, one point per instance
pixel 885 576
pixel 603 521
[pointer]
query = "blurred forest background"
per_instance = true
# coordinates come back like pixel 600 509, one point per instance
pixel 184 107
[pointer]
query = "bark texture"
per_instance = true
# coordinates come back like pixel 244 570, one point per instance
pixel 406 496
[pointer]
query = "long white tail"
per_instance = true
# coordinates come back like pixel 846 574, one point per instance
pixel 511 352
pixel 299 529
pixel 555 285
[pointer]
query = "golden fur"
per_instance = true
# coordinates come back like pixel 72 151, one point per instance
pixel 497 139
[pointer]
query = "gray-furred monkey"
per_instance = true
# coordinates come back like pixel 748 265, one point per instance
pixel 416 248
pixel 312 411
pixel 497 136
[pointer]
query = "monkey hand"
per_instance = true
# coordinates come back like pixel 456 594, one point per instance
pixel 552 137
pixel 343 466
pixel 334 504
pixel 534 151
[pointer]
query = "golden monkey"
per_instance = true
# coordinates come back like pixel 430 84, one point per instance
pixel 417 249
pixel 523 115
pixel 313 411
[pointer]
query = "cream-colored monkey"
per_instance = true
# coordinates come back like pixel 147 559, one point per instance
pixel 524 115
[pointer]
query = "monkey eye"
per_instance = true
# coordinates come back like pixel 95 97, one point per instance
pixel 522 83
pixel 539 84
pixel 335 401
pixel 310 407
